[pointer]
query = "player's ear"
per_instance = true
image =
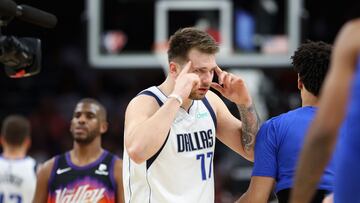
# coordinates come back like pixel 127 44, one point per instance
pixel 300 84
pixel 104 127
pixel 27 142
pixel 173 67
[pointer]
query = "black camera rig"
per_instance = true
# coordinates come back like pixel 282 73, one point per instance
pixel 21 57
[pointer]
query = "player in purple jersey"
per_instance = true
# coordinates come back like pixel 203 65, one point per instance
pixel 342 85
pixel 87 173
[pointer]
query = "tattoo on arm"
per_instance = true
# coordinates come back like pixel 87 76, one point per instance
pixel 250 125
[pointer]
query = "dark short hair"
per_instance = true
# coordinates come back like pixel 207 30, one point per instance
pixel 15 128
pixel 311 61
pixel 185 39
pixel 103 112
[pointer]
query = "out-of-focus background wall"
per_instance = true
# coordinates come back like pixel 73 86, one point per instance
pixel 107 50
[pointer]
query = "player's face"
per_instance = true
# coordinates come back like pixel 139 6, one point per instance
pixel 203 65
pixel 86 123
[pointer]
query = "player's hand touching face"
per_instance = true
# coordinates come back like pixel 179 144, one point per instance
pixel 203 65
pixel 232 87
pixel 186 81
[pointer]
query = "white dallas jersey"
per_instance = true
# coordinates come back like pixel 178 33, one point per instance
pixel 17 180
pixel 182 170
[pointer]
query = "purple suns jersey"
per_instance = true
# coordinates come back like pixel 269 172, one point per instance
pixel 91 183
pixel 347 176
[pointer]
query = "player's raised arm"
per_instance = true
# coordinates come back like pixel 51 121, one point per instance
pixel 147 124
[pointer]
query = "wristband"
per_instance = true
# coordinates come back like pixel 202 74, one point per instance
pixel 177 97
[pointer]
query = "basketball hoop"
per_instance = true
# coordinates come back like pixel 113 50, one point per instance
pixel 160 51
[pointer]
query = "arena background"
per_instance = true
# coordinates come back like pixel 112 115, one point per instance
pixel 67 75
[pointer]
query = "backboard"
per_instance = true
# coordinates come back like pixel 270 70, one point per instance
pixel 136 29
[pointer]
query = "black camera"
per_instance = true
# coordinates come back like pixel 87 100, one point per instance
pixel 21 57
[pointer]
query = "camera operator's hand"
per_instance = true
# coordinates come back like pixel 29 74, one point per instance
pixel 21 57
pixel 13 53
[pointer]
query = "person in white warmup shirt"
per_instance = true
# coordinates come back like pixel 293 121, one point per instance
pixel 170 129
pixel 17 170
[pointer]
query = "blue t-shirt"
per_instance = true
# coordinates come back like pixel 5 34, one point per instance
pixel 278 145
pixel 347 177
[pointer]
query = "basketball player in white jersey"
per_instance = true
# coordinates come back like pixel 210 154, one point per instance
pixel 170 129
pixel 17 171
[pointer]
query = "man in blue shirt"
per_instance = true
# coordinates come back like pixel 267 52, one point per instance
pixel 342 85
pixel 280 139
